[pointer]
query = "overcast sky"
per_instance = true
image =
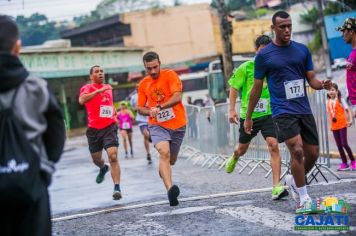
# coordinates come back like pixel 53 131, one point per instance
pixel 59 9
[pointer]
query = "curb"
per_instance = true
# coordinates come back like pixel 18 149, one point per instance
pixel 336 155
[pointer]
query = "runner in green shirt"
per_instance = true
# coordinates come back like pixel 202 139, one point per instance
pixel 242 80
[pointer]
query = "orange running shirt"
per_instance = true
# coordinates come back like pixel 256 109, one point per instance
pixel 100 108
pixel 158 91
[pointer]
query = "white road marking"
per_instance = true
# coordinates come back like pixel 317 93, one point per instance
pixel 129 207
pixel 181 211
pixel 120 208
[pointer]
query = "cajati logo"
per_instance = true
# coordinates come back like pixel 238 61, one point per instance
pixel 329 213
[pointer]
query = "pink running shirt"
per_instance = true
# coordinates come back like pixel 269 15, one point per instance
pixel 351 76
pixel 100 108
pixel 125 120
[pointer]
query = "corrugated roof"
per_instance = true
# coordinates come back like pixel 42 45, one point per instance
pixel 91 26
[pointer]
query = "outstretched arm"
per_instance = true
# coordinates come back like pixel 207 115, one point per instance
pixel 233 116
pixel 316 83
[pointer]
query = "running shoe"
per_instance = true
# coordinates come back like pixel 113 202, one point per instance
pixel 293 188
pixel 343 167
pixel 279 192
pixel 230 164
pixel 131 152
pixel 116 195
pixel 173 194
pixel 353 165
pixel 126 155
pixel 117 192
pixel 149 159
pixel 305 207
pixel 101 176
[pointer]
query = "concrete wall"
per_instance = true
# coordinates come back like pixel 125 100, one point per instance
pixel 177 33
pixel 244 34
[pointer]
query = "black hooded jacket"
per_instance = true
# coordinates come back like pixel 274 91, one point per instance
pixel 36 107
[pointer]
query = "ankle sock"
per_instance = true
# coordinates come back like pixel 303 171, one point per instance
pixel 303 194
pixel 117 187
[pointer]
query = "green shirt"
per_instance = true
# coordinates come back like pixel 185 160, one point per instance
pixel 242 79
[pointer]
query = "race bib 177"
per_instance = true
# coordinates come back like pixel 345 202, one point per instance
pixel 294 88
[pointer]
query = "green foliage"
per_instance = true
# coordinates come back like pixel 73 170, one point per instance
pixel 234 5
pixel 316 44
pixel 261 12
pixel 333 8
pixel 177 2
pixel 310 17
pixel 85 19
pixel 36 29
pixel 107 8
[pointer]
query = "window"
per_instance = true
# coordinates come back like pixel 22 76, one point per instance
pixel 194 84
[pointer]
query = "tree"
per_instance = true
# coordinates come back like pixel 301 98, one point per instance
pixel 111 7
pixel 84 19
pixel 336 7
pixel 311 17
pixel 107 8
pixel 36 29
pixel 234 5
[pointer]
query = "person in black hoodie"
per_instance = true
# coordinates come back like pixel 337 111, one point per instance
pixel 42 121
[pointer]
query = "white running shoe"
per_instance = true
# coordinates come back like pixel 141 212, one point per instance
pixel 293 188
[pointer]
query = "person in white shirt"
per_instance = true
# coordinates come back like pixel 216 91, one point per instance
pixel 142 124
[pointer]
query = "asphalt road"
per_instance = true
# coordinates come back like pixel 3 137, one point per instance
pixel 212 202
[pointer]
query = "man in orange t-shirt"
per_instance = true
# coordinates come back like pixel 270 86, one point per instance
pixel 162 90
pixel 102 128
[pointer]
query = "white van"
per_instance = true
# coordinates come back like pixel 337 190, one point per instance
pixel 216 82
pixel 195 85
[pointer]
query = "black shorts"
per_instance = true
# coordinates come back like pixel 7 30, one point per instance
pixel 290 125
pixel 263 124
pixel 127 130
pixel 102 138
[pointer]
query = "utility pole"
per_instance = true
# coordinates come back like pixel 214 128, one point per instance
pixel 326 54
pixel 226 31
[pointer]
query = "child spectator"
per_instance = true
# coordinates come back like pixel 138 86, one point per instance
pixel 336 107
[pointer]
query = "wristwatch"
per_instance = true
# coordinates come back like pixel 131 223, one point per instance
pixel 159 106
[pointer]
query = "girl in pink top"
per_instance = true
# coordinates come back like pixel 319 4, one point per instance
pixel 124 118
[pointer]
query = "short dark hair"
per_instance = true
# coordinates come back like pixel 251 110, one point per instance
pixel 262 40
pixel 9 33
pixel 92 69
pixel 150 56
pixel 280 14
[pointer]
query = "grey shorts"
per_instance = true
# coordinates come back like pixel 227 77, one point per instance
pixel 175 137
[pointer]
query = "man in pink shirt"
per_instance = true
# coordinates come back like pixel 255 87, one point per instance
pixel 348 30
pixel 102 128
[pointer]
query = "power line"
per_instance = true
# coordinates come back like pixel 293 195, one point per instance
pixel 45 5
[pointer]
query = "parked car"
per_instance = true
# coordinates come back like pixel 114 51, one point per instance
pixel 339 63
